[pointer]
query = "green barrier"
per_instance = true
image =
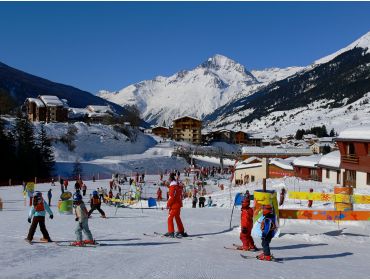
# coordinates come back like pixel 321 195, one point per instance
pixel 65 207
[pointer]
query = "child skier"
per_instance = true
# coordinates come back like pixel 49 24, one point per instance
pixel 95 204
pixel 37 214
pixel 246 224
pixel 268 229
pixel 82 219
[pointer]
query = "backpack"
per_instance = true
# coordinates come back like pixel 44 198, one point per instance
pixel 96 200
pixel 267 226
pixel 38 204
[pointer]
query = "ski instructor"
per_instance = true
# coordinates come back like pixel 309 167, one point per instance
pixel 174 205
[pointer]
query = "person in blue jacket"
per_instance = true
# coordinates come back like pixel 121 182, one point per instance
pixel 268 229
pixel 37 215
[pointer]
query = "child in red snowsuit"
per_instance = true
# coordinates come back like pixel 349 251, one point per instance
pixel 246 224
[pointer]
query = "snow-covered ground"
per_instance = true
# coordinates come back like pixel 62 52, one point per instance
pixel 311 249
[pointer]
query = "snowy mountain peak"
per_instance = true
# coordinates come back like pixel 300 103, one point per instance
pixel 220 62
pixel 363 42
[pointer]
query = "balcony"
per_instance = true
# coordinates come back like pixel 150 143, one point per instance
pixel 350 159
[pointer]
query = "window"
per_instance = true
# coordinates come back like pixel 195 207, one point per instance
pixel 368 179
pixel 327 173
pixel 350 149
pixel 252 178
pixel 338 177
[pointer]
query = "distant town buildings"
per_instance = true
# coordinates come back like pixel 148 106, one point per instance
pixel 46 108
pixel 187 129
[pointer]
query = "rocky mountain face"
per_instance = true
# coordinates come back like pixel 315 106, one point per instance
pixel 195 92
pixel 331 84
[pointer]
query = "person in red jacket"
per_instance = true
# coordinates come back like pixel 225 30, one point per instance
pixel 246 224
pixel 174 205
pixel 159 194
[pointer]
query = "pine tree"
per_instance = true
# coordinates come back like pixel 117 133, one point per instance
pixel 46 154
pixel 7 152
pixel 332 133
pixel 27 153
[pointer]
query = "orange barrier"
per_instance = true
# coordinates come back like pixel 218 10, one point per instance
pixel 329 215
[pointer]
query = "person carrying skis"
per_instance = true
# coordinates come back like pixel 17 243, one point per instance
pixel 268 229
pixel 82 219
pixel 246 225
pixel 95 204
pixel 37 215
pixel 174 205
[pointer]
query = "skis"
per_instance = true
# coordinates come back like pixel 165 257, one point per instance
pixel 157 234
pixel 236 246
pixel 69 244
pixel 277 260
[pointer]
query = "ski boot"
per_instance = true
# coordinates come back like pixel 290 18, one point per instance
pixel 169 234
pixel 263 257
pixel 77 243
pixel 90 242
pixel 27 240
pixel 181 234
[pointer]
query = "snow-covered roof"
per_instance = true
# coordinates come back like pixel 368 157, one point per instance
pixel 355 133
pixel 331 160
pixel 309 136
pixel 51 100
pixel 326 139
pixel 186 117
pixel 37 101
pixel 274 150
pixel 99 109
pixel 250 165
pixel 284 164
pixel 309 161
pixel 248 160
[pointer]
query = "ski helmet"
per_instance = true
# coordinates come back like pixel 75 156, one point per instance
pixel 77 197
pixel 38 194
pixel 95 193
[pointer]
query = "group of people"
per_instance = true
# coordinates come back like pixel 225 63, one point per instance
pixel 40 207
pixel 174 204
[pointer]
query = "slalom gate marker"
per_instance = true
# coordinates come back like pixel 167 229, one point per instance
pixel 343 199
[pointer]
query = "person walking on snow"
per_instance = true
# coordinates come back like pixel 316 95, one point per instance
pixel 268 229
pixel 159 194
pixel 37 215
pixel 50 195
pixel 246 225
pixel 82 219
pixel 174 205
pixel 95 204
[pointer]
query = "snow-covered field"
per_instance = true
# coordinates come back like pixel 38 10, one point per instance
pixel 311 249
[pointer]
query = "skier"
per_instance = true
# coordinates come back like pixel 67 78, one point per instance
pixel 49 197
pixel 268 228
pixel 95 204
pixel 195 200
pixel 310 201
pixel 82 219
pixel 37 215
pixel 209 202
pixel 65 183
pixel 174 205
pixel 246 224
pixel 159 194
pixel 61 181
pixel 84 188
pixel 282 196
pixel 202 200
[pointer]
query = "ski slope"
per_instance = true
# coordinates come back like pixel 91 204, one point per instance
pixel 316 249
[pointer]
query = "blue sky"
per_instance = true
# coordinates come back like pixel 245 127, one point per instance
pixel 109 45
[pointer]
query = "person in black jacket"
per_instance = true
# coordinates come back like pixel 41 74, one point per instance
pixel 202 200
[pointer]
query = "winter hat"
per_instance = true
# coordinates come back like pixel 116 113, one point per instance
pixel 266 209
pixel 246 202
